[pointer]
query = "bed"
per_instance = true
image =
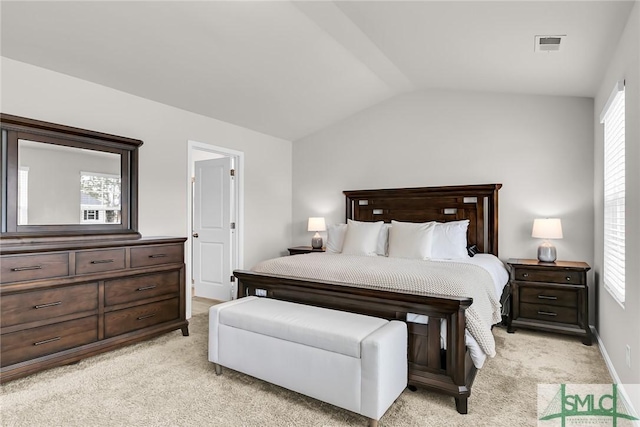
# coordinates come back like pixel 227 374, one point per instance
pixel 446 368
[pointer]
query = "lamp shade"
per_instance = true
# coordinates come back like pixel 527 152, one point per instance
pixel 316 224
pixel 547 228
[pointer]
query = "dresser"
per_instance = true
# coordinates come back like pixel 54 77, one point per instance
pixel 550 297
pixel 62 302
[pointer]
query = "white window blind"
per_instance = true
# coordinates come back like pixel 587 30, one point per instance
pixel 613 117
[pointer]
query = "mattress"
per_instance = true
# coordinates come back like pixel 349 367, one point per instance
pixel 481 278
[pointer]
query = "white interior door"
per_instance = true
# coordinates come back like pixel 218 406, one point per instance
pixel 212 217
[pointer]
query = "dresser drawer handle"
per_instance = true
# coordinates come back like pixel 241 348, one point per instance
pixel 102 261
pixel 547 313
pixel 525 275
pixel 146 316
pixel 547 297
pixel 146 288
pixel 51 304
pixel 47 341
pixel 157 256
pixel 568 278
pixel 33 267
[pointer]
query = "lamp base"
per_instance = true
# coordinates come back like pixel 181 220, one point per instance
pixel 546 252
pixel 316 242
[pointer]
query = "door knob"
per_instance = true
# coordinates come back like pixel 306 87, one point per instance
pixel 195 235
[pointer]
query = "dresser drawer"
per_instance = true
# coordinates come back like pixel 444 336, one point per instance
pixel 549 313
pixel 552 276
pixel 46 304
pixel 135 288
pixel 127 320
pixel 33 267
pixel 99 261
pixel 36 342
pixel 548 296
pixel 155 255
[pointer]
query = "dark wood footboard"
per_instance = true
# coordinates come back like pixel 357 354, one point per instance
pixel 450 372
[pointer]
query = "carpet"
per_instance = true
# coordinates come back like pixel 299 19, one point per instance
pixel 168 381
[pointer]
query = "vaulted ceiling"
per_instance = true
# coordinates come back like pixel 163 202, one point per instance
pixel 289 69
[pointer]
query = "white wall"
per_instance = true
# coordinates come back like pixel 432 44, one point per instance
pixel 617 326
pixel 539 147
pixel 45 95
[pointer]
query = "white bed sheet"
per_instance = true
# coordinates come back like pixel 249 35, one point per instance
pixel 500 277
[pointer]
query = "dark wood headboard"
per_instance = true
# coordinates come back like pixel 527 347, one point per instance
pixel 477 203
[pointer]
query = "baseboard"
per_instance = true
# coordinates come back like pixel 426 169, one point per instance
pixel 616 379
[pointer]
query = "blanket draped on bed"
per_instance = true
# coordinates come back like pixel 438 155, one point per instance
pixel 415 276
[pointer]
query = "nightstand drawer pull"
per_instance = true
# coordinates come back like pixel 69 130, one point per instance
pixel 102 261
pixel 158 256
pixel 525 275
pixel 547 313
pixel 568 278
pixel 146 288
pixel 547 297
pixel 47 341
pixel 146 316
pixel 34 267
pixel 51 304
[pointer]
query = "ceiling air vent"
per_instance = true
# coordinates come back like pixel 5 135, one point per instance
pixel 546 44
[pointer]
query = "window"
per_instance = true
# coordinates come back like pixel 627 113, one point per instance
pixel 99 198
pixel 613 118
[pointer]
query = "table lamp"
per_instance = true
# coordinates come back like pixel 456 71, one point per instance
pixel 316 224
pixel 547 228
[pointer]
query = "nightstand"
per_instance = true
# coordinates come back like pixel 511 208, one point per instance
pixel 550 296
pixel 303 250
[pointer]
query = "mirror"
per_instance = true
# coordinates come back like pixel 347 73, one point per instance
pixel 62 182
pixel 67 185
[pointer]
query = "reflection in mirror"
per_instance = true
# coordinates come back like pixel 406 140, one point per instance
pixel 66 185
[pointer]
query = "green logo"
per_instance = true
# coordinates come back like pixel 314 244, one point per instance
pixel 604 405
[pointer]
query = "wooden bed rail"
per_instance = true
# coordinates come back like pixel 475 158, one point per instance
pixel 450 372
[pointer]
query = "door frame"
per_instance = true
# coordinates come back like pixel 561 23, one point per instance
pixel 237 238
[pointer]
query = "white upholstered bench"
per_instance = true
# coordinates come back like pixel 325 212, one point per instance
pixel 349 360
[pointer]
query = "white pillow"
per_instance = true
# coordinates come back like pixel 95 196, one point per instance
pixel 450 240
pixel 383 240
pixel 335 237
pixel 361 238
pixel 411 240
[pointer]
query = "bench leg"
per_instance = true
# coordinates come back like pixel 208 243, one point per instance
pixel 373 423
pixel 218 369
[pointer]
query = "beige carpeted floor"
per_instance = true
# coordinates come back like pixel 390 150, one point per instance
pixel 169 382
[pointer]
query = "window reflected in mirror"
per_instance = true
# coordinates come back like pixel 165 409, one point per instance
pixel 59 185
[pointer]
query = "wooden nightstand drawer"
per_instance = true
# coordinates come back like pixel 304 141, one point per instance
pixel 33 267
pixel 99 261
pixel 549 296
pixel 549 276
pixel 46 304
pixel 549 313
pixel 31 343
pixel 141 287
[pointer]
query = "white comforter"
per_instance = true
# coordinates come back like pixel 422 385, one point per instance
pixel 461 279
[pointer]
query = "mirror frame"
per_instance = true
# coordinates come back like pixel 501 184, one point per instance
pixel 14 128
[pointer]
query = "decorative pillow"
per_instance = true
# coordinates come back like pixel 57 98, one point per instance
pixel 335 237
pixel 361 238
pixel 450 240
pixel 411 240
pixel 383 240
